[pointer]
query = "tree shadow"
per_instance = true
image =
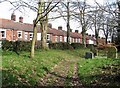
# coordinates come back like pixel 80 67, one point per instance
pixel 110 77
pixel 10 79
pixel 64 78
pixel 105 80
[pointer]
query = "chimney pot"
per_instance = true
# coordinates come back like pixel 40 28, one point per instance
pixel 70 30
pixel 60 28
pixel 49 25
pixel 13 17
pixel 21 19
pixel 76 31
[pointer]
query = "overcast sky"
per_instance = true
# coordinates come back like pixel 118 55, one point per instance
pixel 5 12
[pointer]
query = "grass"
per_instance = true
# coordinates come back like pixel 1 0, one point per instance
pixel 20 70
pixel 101 71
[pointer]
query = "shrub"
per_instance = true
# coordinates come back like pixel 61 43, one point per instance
pixel 94 50
pixel 7 45
pixel 60 45
pixel 16 46
pixel 89 46
pixel 111 52
pixel 77 45
pixel 118 48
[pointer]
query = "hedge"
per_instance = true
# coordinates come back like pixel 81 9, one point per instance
pixel 26 45
pixel 79 46
pixel 60 45
pixel 19 45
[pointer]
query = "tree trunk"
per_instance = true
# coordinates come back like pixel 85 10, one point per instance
pixel 33 41
pixel 68 23
pixel 43 35
pixel 44 29
pixel 35 31
pixel 96 36
pixel 83 37
pixel 106 37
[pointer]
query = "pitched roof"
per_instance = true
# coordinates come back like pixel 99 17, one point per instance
pixel 56 32
pixel 75 35
pixel 9 24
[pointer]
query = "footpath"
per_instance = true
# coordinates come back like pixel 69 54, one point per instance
pixel 65 73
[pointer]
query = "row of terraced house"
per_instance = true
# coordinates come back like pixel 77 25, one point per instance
pixel 13 31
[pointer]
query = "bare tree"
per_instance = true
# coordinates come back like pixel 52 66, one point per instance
pixel 68 22
pixel 108 19
pixel 64 11
pixel 81 15
pixel 42 18
pixel 96 20
pixel 42 8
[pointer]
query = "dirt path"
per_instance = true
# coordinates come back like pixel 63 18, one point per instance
pixel 65 73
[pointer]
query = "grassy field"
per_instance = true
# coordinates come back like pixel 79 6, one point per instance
pixel 20 70
pixel 100 72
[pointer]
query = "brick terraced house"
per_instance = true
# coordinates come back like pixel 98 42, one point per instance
pixel 13 31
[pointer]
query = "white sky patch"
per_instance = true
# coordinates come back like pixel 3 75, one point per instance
pixel 92 2
pixel 5 12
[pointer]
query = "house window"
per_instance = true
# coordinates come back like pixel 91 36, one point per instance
pixel 65 39
pixel 71 40
pixel 56 39
pixel 19 34
pixel 26 34
pixel 76 40
pixel 3 34
pixel 60 38
pixel 48 37
pixel 38 36
pixel 31 36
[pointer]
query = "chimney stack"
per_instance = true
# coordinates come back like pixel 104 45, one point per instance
pixel 93 35
pixel 60 28
pixel 13 17
pixel 76 31
pixel 49 25
pixel 21 19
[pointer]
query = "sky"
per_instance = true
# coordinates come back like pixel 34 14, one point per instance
pixel 29 16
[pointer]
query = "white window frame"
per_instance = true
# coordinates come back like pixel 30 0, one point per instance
pixel 60 38
pixel 56 38
pixel 75 40
pixel 90 41
pixel 70 39
pixel 30 36
pixel 4 33
pixel 65 39
pixel 19 32
pixel 78 40
pixel 38 36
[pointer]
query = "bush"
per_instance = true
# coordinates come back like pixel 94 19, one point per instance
pixel 94 50
pixel 60 45
pixel 7 45
pixel 16 46
pixel 77 45
pixel 89 46
pixel 118 48
pixel 111 52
